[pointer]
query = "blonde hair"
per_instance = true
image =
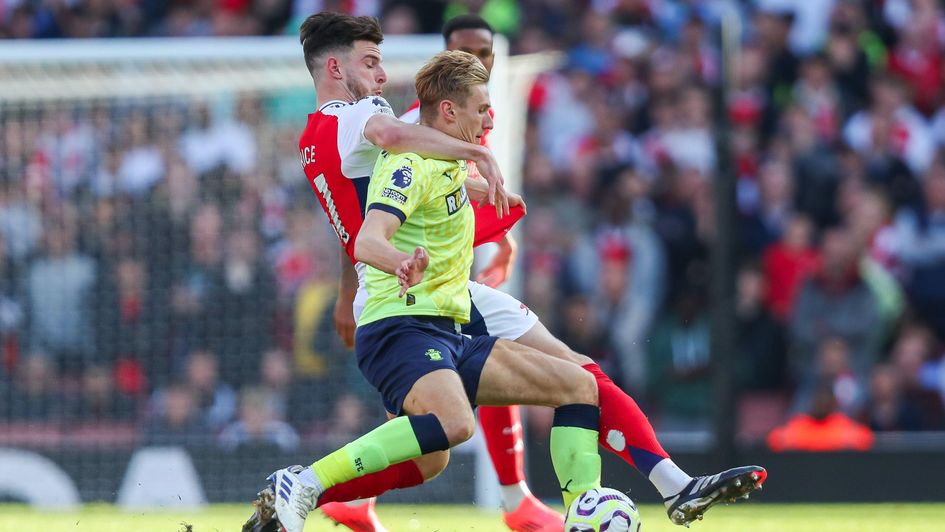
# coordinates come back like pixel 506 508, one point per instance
pixel 448 76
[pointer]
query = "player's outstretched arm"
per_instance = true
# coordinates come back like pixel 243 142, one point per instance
pixel 344 305
pixel 398 137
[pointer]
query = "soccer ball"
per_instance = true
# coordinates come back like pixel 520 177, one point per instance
pixel 602 509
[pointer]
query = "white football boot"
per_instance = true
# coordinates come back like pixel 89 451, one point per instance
pixel 294 498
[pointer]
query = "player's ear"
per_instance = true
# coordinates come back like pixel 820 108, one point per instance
pixel 333 67
pixel 446 109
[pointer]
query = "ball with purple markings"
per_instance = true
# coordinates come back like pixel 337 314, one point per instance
pixel 602 510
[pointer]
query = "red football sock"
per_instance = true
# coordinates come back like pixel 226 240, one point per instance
pixel 398 476
pixel 624 428
pixel 502 429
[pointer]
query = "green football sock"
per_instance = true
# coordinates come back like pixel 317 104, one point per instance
pixel 575 458
pixel 397 440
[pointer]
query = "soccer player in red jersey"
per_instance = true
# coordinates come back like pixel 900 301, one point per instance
pixel 501 425
pixel 338 149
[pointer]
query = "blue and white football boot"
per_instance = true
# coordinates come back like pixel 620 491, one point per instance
pixel 285 503
pixel 705 492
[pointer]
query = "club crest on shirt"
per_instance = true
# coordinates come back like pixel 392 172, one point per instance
pixel 402 177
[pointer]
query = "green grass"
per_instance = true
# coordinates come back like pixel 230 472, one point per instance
pixel 750 517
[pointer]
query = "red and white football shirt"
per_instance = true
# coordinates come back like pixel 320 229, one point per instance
pixel 338 161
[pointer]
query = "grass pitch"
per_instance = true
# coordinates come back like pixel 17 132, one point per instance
pixel 744 517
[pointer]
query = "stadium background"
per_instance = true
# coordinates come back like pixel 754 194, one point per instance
pixel 166 278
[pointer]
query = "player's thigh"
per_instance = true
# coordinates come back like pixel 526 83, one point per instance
pixel 441 393
pixel 498 314
pixel 518 374
pixel 540 338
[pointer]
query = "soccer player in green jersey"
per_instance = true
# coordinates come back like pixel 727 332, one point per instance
pixel 417 241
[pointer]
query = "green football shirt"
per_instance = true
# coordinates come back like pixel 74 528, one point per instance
pixel 429 197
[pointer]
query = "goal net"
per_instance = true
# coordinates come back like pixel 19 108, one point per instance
pixel 166 278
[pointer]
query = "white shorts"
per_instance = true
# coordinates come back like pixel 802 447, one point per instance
pixel 494 313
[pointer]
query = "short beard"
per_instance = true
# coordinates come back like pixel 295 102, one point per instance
pixel 355 90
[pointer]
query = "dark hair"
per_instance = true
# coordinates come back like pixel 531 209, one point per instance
pixel 465 22
pixel 326 31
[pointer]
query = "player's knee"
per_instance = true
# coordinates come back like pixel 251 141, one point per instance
pixel 459 428
pixel 579 359
pixel 431 465
pixel 583 388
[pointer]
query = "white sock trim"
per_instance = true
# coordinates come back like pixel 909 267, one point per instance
pixel 668 478
pixel 513 495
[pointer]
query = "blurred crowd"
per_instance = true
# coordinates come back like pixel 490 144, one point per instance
pixel 836 113
pixel 165 266
pixel 164 280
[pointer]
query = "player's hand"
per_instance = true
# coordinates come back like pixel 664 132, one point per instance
pixel 344 320
pixel 515 200
pixel 501 201
pixel 489 170
pixel 410 272
pixel 500 267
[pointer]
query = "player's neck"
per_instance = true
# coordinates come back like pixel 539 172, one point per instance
pixel 330 92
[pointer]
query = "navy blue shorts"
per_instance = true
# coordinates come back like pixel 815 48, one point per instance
pixel 393 353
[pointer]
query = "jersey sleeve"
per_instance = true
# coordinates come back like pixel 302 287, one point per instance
pixel 354 119
pixel 412 114
pixel 399 185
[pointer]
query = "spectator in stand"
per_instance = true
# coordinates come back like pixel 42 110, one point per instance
pixel 817 95
pixel 890 129
pixel 910 357
pixel 621 265
pixel 824 428
pixel 59 294
pixel 175 419
pixel 142 164
pixel 198 145
pixel 835 303
pixel 214 400
pixel 766 225
pixel 871 229
pixel 787 264
pixel 257 425
pixel 679 365
pixel 100 401
pixel 833 366
pixel 772 28
pixel 888 408
pixel 816 168
pixel 244 288
pixel 21 224
pixel 193 279
pixel 917 57
pixel 920 247
pixel 12 312
pixel 763 355
pixel 35 394
pixel 127 322
pixel 276 380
